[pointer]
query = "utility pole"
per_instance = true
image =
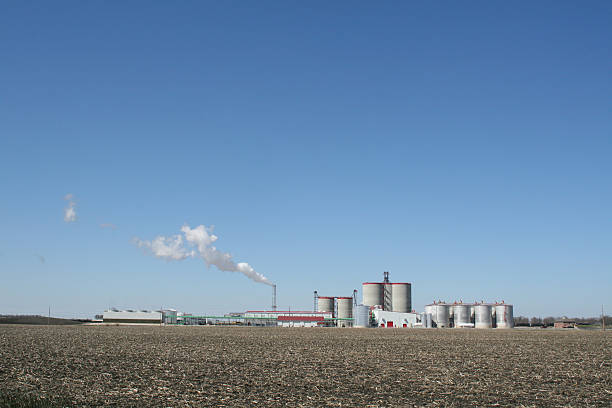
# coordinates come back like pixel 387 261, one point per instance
pixel 603 319
pixel 49 316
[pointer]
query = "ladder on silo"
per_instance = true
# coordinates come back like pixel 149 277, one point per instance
pixel 386 292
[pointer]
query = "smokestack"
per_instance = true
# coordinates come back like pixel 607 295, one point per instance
pixel 274 297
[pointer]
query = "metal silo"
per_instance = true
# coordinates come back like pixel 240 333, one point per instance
pixel 425 320
pixel 483 315
pixel 462 314
pixel 325 304
pixel 504 316
pixel 361 315
pixel 345 311
pixel 440 314
pixel 401 297
pixel 429 309
pixel 373 293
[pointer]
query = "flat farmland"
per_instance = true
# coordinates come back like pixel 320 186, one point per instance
pixel 233 366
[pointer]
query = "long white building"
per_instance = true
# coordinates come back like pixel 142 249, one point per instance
pixel 286 318
pixel 131 316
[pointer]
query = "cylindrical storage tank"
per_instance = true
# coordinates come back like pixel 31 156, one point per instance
pixel 372 293
pixel 462 313
pixel 401 297
pixel 483 315
pixel 440 313
pixel 504 317
pixel 429 309
pixel 325 304
pixel 423 318
pixel 345 311
pixel 362 316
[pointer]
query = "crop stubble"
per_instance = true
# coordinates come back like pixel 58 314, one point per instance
pixel 232 366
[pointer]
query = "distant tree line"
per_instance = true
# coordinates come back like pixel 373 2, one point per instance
pixel 550 320
pixel 35 319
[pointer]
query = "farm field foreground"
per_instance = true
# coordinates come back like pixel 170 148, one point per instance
pixel 234 366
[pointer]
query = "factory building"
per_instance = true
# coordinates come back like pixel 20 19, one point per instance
pixel 132 316
pixel 287 318
pixel 389 319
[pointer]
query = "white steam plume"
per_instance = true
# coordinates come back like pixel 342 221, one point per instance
pixel 201 238
pixel 168 248
pixel 69 212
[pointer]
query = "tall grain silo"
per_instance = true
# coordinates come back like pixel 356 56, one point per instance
pixel 462 313
pixel 325 304
pixel 401 297
pixel 483 316
pixel 504 318
pixel 345 311
pixel 373 293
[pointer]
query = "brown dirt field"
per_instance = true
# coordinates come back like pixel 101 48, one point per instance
pixel 208 366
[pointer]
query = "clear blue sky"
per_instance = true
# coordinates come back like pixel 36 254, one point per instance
pixel 466 148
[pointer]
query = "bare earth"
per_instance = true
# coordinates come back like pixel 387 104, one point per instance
pixel 208 366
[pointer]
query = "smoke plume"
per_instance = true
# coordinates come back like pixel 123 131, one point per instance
pixel 197 242
pixel 69 211
pixel 168 248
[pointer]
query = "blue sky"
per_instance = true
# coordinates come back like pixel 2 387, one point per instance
pixel 465 148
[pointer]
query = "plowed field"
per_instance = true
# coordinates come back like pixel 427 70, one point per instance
pixel 208 366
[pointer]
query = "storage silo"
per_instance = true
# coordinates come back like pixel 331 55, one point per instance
pixel 425 320
pixel 462 313
pixel 429 309
pixel 325 304
pixel 361 315
pixel 401 297
pixel 345 311
pixel 504 318
pixel 440 313
pixel 483 315
pixel 373 293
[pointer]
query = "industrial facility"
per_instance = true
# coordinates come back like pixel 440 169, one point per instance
pixel 384 304
pixel 389 304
